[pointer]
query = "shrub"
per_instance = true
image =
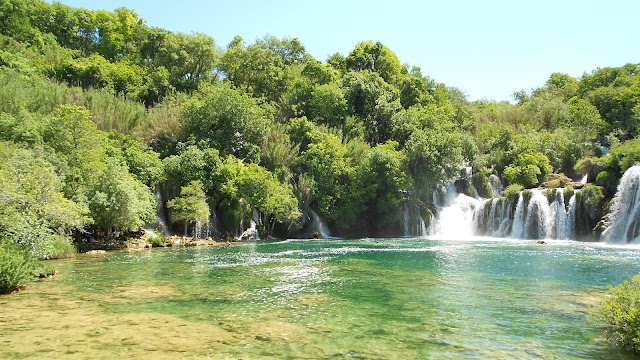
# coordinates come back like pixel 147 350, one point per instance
pixel 61 247
pixel 513 191
pixel 17 267
pixel 608 180
pixel 620 312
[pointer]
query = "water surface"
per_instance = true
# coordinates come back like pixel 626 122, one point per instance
pixel 309 299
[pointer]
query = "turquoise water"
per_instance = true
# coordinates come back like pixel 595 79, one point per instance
pixel 308 299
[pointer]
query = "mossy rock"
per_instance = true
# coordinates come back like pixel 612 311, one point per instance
pixel 464 186
pixel 481 182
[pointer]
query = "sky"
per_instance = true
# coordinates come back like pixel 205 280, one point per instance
pixel 488 49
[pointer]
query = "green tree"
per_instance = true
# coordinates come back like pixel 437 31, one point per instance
pixel 620 316
pixel 33 210
pixel 529 169
pixel 328 105
pixel 119 200
pixel 191 206
pixel 227 120
pixel 368 55
pixel 76 140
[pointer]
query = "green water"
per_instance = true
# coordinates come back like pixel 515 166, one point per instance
pixel 369 298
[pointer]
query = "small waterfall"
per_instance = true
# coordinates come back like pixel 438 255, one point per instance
pixel 412 222
pixel 493 221
pixel 496 185
pixel 560 215
pixel 624 220
pixel 161 221
pixel 406 227
pixel 422 227
pixel 251 233
pixel 584 179
pixel 571 215
pixel 319 225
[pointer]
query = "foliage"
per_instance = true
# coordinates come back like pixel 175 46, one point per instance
pixel 119 200
pixel 17 267
pixel 33 210
pixel 512 191
pixel 529 169
pixel 227 120
pixel 626 154
pixel 592 198
pixel 191 206
pixel 620 314
pixel 105 107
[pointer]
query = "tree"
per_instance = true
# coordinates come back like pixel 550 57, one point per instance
pixel 379 186
pixel 227 120
pixel 33 210
pixel 529 169
pixel 191 206
pixel 258 69
pixel 266 194
pixel 118 200
pixel 328 105
pixel 375 57
pixel 76 140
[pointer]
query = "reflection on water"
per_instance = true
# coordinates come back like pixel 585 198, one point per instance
pixel 369 298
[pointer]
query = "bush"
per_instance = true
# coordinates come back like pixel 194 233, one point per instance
pixel 513 191
pixel 61 247
pixel 620 311
pixel 17 267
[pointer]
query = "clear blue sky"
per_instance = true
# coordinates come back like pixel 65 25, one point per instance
pixel 488 49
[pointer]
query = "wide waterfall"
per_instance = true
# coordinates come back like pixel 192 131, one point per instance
pixel 533 214
pixel 624 219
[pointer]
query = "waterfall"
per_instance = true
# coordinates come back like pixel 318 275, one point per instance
pixel 496 185
pixel 539 222
pixel 251 233
pixel 422 227
pixel 534 214
pixel 455 218
pixel 161 222
pixel 623 225
pixel 319 225
pixel 584 179
pixel 517 229
pixel 405 221
pixel 412 222
pixel 560 215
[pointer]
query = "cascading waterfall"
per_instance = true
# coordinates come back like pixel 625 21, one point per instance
pixel 455 217
pixel 624 220
pixel 532 216
pixel 584 179
pixel 538 222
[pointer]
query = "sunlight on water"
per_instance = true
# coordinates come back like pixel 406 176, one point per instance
pixel 368 298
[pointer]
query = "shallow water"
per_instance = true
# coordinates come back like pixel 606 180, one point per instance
pixel 309 299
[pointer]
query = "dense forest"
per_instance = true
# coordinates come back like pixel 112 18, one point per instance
pixel 100 111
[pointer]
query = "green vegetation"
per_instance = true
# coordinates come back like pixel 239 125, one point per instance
pixel 191 206
pixel 620 314
pixel 17 267
pixel 98 110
